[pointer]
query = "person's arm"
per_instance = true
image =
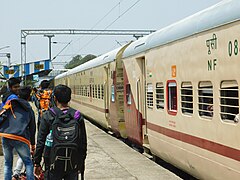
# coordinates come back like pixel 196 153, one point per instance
pixel 83 136
pixel 36 100
pixel 41 138
pixel 32 128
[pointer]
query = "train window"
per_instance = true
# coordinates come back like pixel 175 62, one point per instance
pixel 150 95
pixel 187 98
pixel 128 94
pixel 93 95
pixel 99 92
pixel 159 96
pixel 229 101
pixel 172 97
pixel 85 91
pixel 113 93
pixel 102 90
pixel 205 99
pixel 80 90
pixel 96 90
pixel 88 90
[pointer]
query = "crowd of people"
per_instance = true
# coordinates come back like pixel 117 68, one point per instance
pixel 61 146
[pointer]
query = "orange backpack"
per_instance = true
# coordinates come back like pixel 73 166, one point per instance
pixel 44 98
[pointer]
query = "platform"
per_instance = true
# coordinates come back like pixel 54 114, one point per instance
pixel 109 158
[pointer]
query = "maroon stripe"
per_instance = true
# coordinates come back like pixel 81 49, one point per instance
pixel 91 106
pixel 199 142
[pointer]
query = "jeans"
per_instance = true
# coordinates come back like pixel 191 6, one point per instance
pixel 23 152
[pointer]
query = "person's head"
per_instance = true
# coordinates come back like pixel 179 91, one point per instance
pixel 25 92
pixel 44 84
pixel 14 85
pixel 62 94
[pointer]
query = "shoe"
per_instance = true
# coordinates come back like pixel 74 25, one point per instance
pixel 15 177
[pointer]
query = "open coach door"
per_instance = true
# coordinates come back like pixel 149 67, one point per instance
pixel 117 120
pixel 141 101
pixel 134 110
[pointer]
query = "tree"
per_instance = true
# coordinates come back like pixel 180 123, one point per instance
pixel 78 59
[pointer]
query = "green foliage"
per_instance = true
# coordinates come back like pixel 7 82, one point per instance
pixel 77 60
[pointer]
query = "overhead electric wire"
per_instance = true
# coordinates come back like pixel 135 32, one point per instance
pixel 118 4
pixel 109 25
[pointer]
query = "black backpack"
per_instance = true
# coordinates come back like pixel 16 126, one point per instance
pixel 65 153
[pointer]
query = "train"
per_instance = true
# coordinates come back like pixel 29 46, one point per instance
pixel 175 91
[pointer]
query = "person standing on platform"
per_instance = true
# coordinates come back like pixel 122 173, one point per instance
pixel 12 91
pixel 18 128
pixel 61 122
pixel 43 99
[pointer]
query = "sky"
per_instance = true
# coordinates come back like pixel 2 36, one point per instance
pixel 17 15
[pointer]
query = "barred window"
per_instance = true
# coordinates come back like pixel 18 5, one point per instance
pixel 78 89
pixel 93 90
pixel 81 90
pixel 172 96
pixel 187 98
pixel 85 91
pixel 128 94
pixel 229 100
pixel 102 90
pixel 150 95
pixel 99 92
pixel 159 96
pixel 88 90
pixel 96 90
pixel 205 99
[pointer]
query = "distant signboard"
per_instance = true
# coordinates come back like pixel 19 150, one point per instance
pixel 38 66
pixel 9 71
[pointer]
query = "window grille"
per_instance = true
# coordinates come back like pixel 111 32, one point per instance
pixel 229 101
pixel 128 94
pixel 150 95
pixel 93 90
pixel 159 96
pixel 99 92
pixel 96 91
pixel 102 90
pixel 205 99
pixel 187 98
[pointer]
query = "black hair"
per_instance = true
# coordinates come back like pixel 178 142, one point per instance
pixel 25 92
pixel 13 81
pixel 62 93
pixel 45 84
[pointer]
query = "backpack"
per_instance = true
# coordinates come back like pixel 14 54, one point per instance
pixel 44 99
pixel 65 152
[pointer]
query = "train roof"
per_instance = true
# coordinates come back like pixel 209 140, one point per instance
pixel 219 14
pixel 61 75
pixel 100 60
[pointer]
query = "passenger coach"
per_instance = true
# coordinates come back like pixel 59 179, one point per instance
pixel 175 91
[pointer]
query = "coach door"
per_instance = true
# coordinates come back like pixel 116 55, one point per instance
pixel 141 98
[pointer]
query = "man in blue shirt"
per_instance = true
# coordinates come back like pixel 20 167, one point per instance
pixel 13 91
